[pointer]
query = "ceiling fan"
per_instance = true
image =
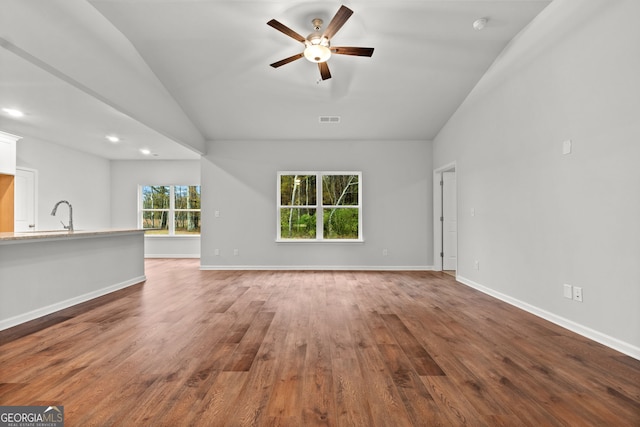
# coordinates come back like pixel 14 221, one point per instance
pixel 318 47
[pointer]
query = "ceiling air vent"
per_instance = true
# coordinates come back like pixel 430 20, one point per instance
pixel 329 119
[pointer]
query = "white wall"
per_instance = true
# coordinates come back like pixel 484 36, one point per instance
pixel 66 174
pixel 127 176
pixel 543 218
pixel 239 181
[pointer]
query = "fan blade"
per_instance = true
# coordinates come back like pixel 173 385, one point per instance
pixel 285 30
pixel 324 70
pixel 287 60
pixel 337 21
pixel 356 51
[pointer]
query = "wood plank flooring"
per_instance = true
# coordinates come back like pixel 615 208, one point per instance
pixel 305 348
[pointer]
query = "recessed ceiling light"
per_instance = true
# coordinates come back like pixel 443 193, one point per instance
pixel 112 138
pixel 479 24
pixel 145 151
pixel 13 112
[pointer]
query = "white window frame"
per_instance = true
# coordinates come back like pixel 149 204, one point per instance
pixel 171 211
pixel 319 207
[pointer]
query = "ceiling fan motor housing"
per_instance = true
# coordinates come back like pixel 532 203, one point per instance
pixel 317 24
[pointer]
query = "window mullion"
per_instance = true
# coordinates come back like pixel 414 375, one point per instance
pixel 319 208
pixel 172 206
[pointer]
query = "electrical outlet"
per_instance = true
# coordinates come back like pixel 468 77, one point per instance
pixel 577 293
pixel 477 265
pixel 236 252
pixel 216 252
pixel 385 252
pixel 568 291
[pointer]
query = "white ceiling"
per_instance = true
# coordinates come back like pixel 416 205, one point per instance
pixel 169 74
pixel 57 111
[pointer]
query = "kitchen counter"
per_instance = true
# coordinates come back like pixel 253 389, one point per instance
pixel 42 272
pixel 61 234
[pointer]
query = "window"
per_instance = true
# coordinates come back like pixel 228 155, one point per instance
pixel 319 206
pixel 170 209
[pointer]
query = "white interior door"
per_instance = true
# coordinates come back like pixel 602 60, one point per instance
pixel 25 200
pixel 449 224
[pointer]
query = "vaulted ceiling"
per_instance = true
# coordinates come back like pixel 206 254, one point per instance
pixel 169 75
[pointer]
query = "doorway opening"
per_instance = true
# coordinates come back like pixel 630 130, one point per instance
pixel 445 224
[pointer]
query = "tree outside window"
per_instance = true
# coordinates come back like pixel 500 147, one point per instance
pixel 315 206
pixel 170 209
pixel 187 209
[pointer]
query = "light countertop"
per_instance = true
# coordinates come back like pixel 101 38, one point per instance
pixel 7 237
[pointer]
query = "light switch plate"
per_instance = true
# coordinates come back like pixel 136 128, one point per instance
pixel 566 147
pixel 568 291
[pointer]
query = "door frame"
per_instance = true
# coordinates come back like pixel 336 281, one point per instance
pixel 437 212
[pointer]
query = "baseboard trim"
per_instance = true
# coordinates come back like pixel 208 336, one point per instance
pixel 319 267
pixel 43 311
pixel 611 342
pixel 192 256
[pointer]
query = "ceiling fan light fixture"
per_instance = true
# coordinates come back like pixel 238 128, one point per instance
pixel 317 48
pixel 317 53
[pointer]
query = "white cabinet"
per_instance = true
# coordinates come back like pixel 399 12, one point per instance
pixel 8 153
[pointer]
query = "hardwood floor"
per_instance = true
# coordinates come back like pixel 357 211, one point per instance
pixel 304 348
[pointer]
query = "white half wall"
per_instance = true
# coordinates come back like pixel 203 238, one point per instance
pixel 544 218
pixel 239 182
pixel 127 176
pixel 43 275
pixel 66 174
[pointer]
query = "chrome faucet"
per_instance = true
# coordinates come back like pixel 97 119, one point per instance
pixel 55 208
